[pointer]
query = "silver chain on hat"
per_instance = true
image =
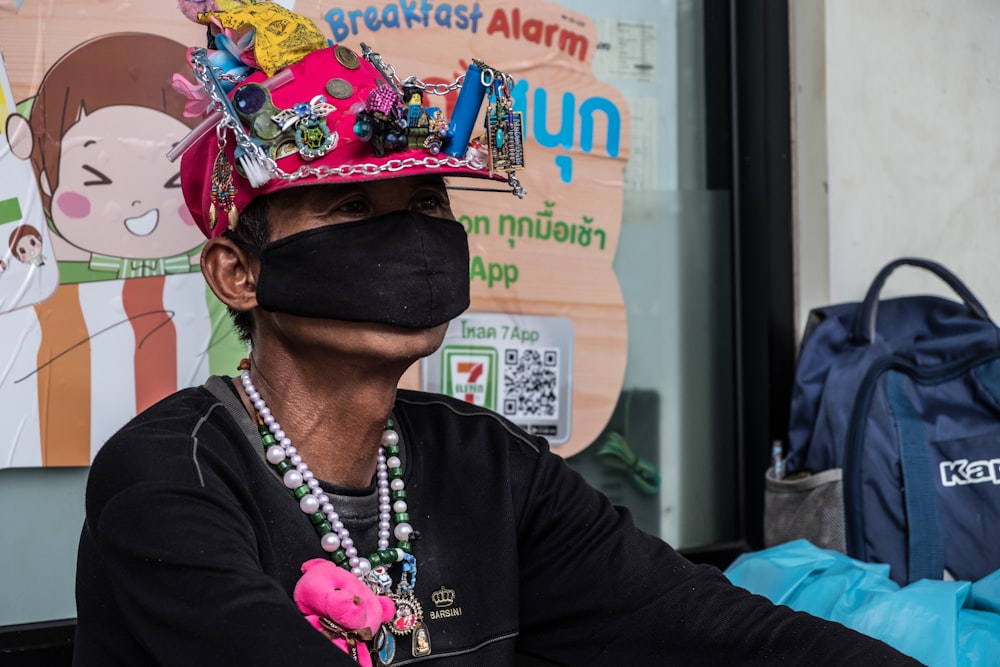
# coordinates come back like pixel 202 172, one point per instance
pixel 259 167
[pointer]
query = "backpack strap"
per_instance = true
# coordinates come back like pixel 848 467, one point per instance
pixel 863 330
pixel 989 375
pixel 925 547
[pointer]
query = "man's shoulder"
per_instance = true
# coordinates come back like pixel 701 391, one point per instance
pixel 180 419
pixel 179 410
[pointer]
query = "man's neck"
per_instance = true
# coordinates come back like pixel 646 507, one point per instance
pixel 334 411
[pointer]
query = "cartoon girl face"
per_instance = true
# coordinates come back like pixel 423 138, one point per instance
pixel 117 194
pixel 28 248
pixel 26 245
pixel 102 121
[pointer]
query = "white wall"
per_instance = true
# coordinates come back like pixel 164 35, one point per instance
pixel 896 124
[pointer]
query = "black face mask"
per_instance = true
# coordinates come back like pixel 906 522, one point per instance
pixel 403 268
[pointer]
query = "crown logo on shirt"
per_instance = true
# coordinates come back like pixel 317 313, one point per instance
pixel 443 597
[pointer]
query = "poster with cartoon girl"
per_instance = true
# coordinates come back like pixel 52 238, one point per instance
pixel 131 320
pixel 125 327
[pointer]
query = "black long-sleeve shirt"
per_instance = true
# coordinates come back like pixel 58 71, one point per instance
pixel 192 546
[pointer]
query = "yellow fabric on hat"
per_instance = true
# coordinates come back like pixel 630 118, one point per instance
pixel 282 37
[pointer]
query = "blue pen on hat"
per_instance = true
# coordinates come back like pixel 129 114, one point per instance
pixel 466 111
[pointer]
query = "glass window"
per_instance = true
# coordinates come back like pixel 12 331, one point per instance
pixel 668 451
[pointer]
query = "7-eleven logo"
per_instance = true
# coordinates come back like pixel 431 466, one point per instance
pixel 474 372
pixel 469 374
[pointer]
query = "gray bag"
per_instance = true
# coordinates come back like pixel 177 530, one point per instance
pixel 805 506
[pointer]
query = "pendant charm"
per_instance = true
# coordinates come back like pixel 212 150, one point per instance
pixel 421 641
pixel 223 196
pixel 409 613
pixel 385 647
pixel 379 581
pixel 313 138
pixel 505 138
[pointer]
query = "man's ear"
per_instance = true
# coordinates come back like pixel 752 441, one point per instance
pixel 231 273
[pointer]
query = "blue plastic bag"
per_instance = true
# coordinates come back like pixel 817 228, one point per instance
pixel 940 623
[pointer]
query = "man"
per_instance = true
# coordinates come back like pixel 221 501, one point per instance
pixel 342 270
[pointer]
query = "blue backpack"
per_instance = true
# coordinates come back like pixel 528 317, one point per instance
pixel 902 396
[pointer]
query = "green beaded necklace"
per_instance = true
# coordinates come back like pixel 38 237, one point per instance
pixel 321 520
pixel 335 538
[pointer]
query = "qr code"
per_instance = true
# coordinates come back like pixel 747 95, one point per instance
pixel 531 382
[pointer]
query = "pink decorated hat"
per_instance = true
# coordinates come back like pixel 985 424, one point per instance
pixel 279 119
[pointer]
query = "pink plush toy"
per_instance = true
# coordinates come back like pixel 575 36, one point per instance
pixel 337 604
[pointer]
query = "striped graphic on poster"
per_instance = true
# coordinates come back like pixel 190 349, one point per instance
pixel 94 354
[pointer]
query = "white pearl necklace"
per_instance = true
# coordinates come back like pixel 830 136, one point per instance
pixel 312 499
